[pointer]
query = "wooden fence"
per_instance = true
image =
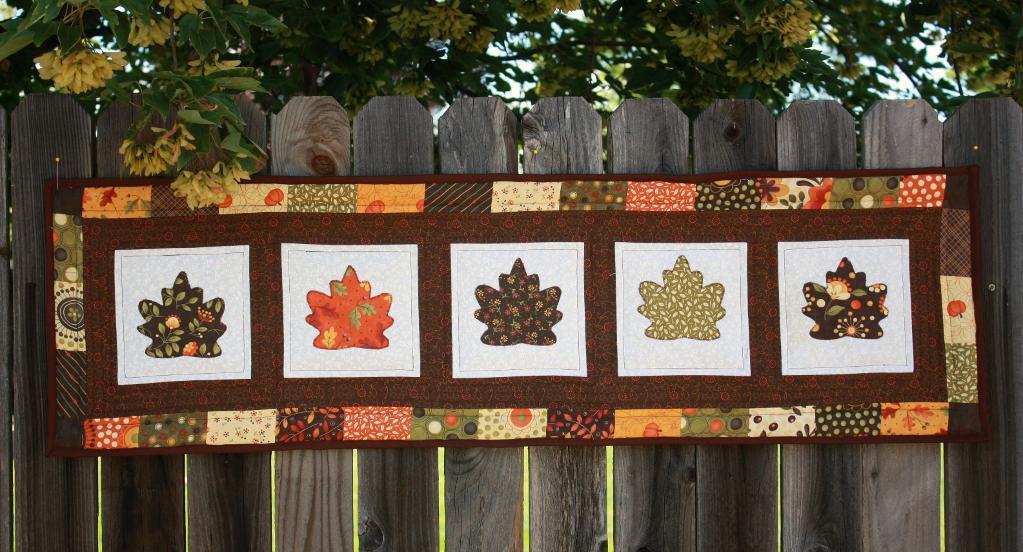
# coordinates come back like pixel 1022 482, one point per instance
pixel 666 498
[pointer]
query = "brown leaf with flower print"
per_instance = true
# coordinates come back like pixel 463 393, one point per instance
pixel 518 311
pixel 182 324
pixel 845 306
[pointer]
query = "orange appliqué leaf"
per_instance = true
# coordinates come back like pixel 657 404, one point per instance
pixel 349 316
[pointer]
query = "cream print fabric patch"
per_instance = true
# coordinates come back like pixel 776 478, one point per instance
pixel 182 314
pixel 682 309
pixel 350 310
pixel 845 307
pixel 517 310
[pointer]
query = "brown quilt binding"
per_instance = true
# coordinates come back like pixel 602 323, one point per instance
pixel 980 407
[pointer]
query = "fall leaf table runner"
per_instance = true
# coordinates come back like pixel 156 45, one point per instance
pixel 494 310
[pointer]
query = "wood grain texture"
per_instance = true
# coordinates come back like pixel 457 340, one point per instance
pixel 733 135
pixel 982 480
pixel 55 497
pixel 229 502
pixel 393 136
pixel 311 136
pixel 567 486
pixel 6 337
pixel 821 486
pixel 901 483
pixel 478 135
pixel 229 494
pixel 562 135
pixel 314 500
pixel 648 136
pixel 736 487
pixel 655 487
pixel 483 486
pixel 143 497
pixel 398 502
pixel 314 487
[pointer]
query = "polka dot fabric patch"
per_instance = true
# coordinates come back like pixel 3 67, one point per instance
pixel 112 433
pixel 512 423
pixel 728 195
pixel 849 420
pixel 922 190
pixel 439 423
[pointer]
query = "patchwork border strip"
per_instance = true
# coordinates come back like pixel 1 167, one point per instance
pixel 963 416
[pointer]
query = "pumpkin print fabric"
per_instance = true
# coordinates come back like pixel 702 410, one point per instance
pixel 350 316
pixel 683 307
pixel 845 306
pixel 518 311
pixel 182 324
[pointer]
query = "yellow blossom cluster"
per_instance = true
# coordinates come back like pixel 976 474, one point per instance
pixel 81 70
pixel 539 10
pixel 211 65
pixel 209 186
pixel 764 70
pixel 793 21
pixel 155 32
pixel 156 156
pixel 705 46
pixel 440 21
pixel 181 7
pixel 477 41
pixel 413 86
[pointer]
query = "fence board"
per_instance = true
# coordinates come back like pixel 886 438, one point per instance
pixel 6 521
pixel 311 136
pixel 901 483
pixel 655 487
pixel 142 498
pixel 567 486
pixel 820 484
pixel 229 494
pixel 483 486
pixel 983 496
pixel 736 487
pixel 47 489
pixel 314 487
pixel 398 503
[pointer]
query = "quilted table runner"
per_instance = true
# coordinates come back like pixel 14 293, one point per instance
pixel 498 310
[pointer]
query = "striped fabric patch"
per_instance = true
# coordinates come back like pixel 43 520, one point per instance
pixel 459 197
pixel 70 384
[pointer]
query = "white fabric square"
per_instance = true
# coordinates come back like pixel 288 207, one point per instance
pixel 143 274
pixel 722 264
pixel 883 262
pixel 386 269
pixel 558 264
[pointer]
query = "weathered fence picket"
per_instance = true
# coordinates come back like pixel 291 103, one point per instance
pixel 736 487
pixel 844 497
pixel 398 503
pixel 819 483
pixel 229 494
pixel 311 136
pixel 983 496
pixel 483 486
pixel 567 486
pixel 43 128
pixel 654 487
pixel 143 497
pixel 900 484
pixel 5 343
